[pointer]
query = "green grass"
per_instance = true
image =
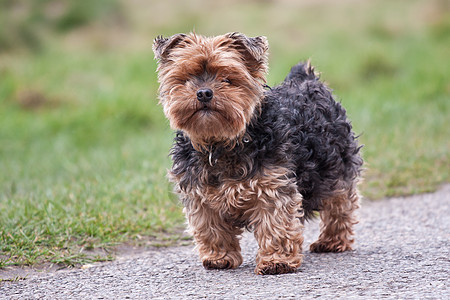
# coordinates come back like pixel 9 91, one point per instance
pixel 87 168
pixel 84 145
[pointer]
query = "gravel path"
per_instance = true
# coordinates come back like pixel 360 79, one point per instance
pixel 402 251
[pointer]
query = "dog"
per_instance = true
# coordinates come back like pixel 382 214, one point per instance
pixel 246 156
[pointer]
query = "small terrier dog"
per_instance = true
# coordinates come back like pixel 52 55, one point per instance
pixel 248 156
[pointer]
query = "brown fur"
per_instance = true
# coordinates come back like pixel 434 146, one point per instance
pixel 337 220
pixel 231 59
pixel 270 205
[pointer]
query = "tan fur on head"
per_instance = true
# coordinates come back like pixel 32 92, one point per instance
pixel 232 66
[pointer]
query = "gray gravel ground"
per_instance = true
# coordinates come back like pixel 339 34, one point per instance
pixel 402 252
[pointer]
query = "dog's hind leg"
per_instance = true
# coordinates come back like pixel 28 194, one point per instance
pixel 337 220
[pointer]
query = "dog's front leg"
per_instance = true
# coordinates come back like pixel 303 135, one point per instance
pixel 216 240
pixel 278 230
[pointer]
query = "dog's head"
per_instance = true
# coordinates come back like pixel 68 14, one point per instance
pixel 210 87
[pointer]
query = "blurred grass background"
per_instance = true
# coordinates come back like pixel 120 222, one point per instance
pixel 84 146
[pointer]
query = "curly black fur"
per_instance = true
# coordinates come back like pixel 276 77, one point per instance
pixel 301 127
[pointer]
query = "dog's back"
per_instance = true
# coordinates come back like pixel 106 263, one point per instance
pixel 325 148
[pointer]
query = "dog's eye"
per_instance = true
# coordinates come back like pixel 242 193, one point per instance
pixel 181 80
pixel 226 80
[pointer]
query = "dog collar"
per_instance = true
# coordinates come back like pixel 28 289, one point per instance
pixel 212 161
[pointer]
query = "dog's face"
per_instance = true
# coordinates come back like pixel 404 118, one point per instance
pixel 211 87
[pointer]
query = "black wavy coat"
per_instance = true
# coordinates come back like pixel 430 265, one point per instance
pixel 300 127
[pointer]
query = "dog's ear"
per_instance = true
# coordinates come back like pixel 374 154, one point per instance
pixel 254 52
pixel 162 46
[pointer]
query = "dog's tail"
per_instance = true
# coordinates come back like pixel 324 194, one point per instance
pixel 301 72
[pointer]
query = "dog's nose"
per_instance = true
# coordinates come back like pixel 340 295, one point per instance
pixel 204 95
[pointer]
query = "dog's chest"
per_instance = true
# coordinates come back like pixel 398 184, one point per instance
pixel 235 193
pixel 234 200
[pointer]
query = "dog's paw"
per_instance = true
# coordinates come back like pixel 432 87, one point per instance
pixel 332 246
pixel 211 264
pixel 274 269
pixel 229 260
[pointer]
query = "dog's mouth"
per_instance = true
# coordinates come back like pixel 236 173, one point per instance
pixel 203 112
pixel 204 109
